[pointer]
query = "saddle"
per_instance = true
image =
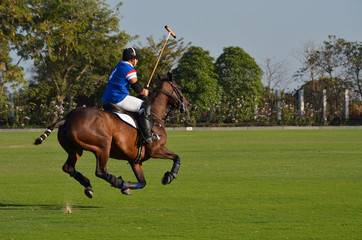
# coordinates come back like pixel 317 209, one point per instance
pixel 130 118
pixel 110 107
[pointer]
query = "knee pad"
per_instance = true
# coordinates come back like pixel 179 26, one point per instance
pixel 147 109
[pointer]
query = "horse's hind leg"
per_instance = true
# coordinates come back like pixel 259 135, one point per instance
pixel 101 172
pixel 69 167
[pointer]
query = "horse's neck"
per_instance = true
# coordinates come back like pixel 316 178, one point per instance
pixel 159 105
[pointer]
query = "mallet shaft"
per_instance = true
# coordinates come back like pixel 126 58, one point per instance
pixel 170 32
pixel 158 59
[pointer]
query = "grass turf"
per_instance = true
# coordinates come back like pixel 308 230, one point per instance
pixel 272 184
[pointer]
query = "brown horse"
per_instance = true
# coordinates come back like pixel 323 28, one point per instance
pixel 105 135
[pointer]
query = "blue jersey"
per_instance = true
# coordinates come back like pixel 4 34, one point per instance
pixel 118 83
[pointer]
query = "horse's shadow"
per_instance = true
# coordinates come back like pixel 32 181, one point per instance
pixel 11 206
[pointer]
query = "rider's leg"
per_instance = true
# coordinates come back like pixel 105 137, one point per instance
pixel 133 104
pixel 146 124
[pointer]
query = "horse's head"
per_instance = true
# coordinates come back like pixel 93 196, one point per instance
pixel 171 89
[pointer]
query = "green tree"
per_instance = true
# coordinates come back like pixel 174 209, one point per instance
pixel 330 61
pixel 340 62
pixel 353 52
pixel 334 94
pixel 240 78
pixel 13 14
pixel 173 51
pixel 74 45
pixel 196 75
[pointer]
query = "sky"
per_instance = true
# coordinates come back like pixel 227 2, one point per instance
pixel 273 29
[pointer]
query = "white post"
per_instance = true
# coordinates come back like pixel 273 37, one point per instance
pixel 255 113
pixel 301 102
pixel 279 113
pixel 11 106
pixel 324 104
pixel 346 102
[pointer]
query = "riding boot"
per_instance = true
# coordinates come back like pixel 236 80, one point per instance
pixel 146 125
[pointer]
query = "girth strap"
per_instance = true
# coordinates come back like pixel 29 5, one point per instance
pixel 139 146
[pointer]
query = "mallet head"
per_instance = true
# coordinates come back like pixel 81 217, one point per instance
pixel 170 31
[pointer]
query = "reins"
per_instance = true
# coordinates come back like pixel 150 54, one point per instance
pixel 178 99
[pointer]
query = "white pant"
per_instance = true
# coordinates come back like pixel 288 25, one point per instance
pixel 131 104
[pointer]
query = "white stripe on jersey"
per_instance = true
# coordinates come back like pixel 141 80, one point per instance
pixel 131 74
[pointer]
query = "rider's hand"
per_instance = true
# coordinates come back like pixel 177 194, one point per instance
pixel 144 94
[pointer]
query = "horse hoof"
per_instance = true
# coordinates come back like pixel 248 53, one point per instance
pixel 88 192
pixel 167 178
pixel 126 191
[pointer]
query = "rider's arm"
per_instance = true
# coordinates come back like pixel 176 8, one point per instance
pixel 137 87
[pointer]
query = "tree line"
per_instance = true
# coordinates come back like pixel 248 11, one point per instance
pixel 74 46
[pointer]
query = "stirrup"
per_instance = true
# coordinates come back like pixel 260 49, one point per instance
pixel 155 137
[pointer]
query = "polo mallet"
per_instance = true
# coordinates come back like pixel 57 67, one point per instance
pixel 158 59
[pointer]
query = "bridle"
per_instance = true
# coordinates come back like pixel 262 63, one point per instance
pixel 177 98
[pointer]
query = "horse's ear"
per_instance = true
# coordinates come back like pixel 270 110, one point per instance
pixel 169 76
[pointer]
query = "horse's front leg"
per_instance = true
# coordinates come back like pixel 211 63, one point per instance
pixel 138 171
pixel 125 187
pixel 164 153
pixel 101 172
pixel 169 176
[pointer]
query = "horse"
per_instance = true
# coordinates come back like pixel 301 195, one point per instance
pixel 106 136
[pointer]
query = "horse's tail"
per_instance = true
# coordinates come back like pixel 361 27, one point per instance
pixel 47 132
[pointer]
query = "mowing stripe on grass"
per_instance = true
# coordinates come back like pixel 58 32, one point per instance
pixel 267 184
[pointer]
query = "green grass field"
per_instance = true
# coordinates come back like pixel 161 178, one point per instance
pixel 262 184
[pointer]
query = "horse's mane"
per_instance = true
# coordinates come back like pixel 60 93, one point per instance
pixel 158 86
